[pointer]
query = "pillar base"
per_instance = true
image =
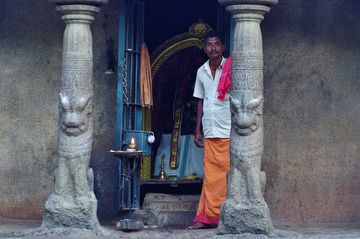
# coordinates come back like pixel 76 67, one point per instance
pixel 64 211
pixel 240 219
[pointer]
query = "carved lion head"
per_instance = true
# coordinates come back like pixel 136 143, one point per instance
pixel 75 113
pixel 246 109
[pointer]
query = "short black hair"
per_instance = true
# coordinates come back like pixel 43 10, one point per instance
pixel 210 34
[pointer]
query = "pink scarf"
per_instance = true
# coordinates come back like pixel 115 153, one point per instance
pixel 224 85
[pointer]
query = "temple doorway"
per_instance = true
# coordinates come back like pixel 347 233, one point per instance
pixel 173 32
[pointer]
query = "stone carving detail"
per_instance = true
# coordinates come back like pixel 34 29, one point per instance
pixel 248 79
pixel 246 152
pixel 251 61
pixel 246 113
pixel 74 177
pixel 245 210
pixel 76 73
pixel 248 72
pixel 246 181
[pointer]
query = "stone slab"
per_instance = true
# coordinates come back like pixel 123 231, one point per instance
pixel 166 210
pixel 167 202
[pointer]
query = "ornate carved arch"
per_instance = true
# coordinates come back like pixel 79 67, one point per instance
pixel 192 38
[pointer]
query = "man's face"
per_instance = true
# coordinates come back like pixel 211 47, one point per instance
pixel 214 48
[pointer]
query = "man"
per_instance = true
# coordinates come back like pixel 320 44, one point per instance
pixel 215 117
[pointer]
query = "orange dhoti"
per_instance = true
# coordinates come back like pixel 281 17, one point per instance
pixel 213 193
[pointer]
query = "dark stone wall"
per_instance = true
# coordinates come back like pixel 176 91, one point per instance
pixel 30 61
pixel 312 127
pixel 105 42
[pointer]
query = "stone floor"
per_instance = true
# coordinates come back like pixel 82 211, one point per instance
pixel 284 230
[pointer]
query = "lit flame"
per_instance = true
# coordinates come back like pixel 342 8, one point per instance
pixel 132 143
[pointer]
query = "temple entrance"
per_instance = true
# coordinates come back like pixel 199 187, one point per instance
pixel 175 59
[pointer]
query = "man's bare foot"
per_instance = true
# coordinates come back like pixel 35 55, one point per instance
pixel 199 225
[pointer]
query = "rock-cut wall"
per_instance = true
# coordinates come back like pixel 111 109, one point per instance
pixel 312 110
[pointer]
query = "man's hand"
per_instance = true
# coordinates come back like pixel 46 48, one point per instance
pixel 198 140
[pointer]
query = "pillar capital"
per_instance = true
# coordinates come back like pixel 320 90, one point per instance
pixel 248 12
pixel 82 2
pixel 78 10
pixel 248 9
pixel 78 13
pixel 253 2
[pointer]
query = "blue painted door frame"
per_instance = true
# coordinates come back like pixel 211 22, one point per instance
pixel 129 111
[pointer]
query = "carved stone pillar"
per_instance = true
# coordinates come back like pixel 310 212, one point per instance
pixel 73 203
pixel 245 210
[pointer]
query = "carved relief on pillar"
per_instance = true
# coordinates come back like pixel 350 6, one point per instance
pixel 74 177
pixel 76 74
pixel 247 72
pixel 246 112
pixel 249 79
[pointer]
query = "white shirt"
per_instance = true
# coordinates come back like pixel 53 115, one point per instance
pixel 216 120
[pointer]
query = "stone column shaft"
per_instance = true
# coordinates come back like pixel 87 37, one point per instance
pixel 77 60
pixel 247 55
pixel 245 210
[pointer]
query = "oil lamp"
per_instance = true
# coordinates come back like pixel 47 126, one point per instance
pixel 162 174
pixel 132 145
